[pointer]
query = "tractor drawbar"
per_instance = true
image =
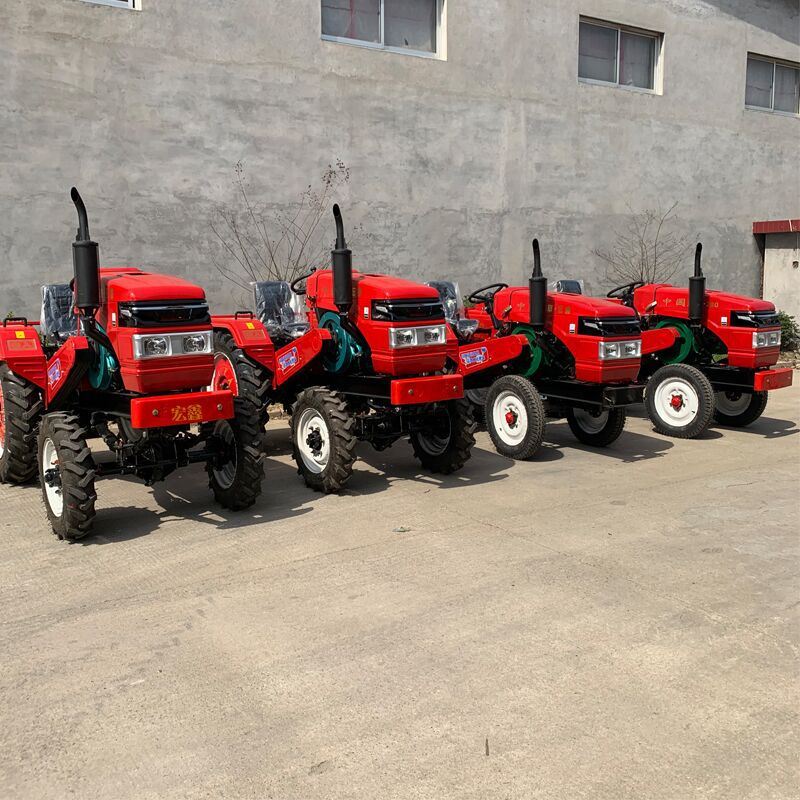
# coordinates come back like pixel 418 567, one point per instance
pixel 538 290
pixel 342 262
pixel 85 262
pixel 697 289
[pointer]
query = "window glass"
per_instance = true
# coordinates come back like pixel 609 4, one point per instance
pixel 759 83
pixel 597 53
pixel 410 23
pixel 637 60
pixel 352 19
pixel 787 89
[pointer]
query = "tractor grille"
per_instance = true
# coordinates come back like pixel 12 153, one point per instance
pixel 161 313
pixel 755 319
pixel 610 326
pixel 407 310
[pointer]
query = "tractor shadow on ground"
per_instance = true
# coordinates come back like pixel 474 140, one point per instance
pixel 766 427
pixel 638 412
pixel 629 448
pixel 185 495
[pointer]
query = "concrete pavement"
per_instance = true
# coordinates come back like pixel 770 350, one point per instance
pixel 604 624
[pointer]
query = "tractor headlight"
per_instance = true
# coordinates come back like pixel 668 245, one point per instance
pixel 155 346
pixel 611 350
pixel 195 344
pixel 413 337
pixel 766 339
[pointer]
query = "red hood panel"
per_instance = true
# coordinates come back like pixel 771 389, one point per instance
pixel 124 285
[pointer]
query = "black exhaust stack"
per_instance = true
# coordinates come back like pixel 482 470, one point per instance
pixel 342 261
pixel 697 289
pixel 85 263
pixel 538 290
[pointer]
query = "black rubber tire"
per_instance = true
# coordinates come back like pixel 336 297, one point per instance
pixel 253 380
pixel 609 433
pixel 531 401
pixel 705 400
pixel 332 408
pixel 22 410
pixel 478 399
pixel 459 445
pixel 756 407
pixel 247 431
pixel 76 469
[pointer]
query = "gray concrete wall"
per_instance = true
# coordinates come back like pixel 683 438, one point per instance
pixel 781 271
pixel 455 164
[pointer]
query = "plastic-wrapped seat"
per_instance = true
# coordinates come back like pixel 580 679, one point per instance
pixel 57 320
pixel 453 304
pixel 568 286
pixel 280 310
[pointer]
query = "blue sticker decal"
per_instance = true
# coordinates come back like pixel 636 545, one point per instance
pixel 54 372
pixel 474 357
pixel 288 360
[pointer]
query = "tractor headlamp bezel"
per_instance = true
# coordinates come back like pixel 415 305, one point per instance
pixel 418 336
pixel 762 339
pixel 611 350
pixel 174 344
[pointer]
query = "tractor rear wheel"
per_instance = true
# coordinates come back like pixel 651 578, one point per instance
pixel 515 417
pixel 233 370
pixel 478 399
pixel 20 410
pixel 323 439
pixel 739 409
pixel 67 474
pixel 447 445
pixel 236 474
pixel 680 401
pixel 597 428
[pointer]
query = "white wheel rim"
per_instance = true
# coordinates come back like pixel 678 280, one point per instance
pixel 732 403
pixel 589 422
pixel 676 402
pixel 313 440
pixel 53 494
pixel 510 418
pixel 226 474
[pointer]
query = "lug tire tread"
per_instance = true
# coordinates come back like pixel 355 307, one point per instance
pixel 459 449
pixel 610 433
pixel 705 395
pixel 754 410
pixel 253 380
pixel 23 410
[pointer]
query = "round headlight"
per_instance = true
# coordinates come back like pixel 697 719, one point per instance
pixel 194 344
pixel 156 346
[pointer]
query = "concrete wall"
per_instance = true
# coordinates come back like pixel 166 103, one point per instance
pixel 455 164
pixel 781 271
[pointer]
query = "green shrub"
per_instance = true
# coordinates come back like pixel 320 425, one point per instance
pixel 790 333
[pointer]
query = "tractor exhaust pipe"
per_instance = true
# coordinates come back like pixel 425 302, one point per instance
pixel 85 262
pixel 697 289
pixel 342 261
pixel 538 290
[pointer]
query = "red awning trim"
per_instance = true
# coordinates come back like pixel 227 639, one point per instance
pixel 777 226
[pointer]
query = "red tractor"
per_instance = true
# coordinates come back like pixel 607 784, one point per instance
pixel 582 362
pixel 706 354
pixel 124 356
pixel 355 356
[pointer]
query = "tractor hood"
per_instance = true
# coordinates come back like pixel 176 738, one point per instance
pixel 385 287
pixel 127 285
pixel 513 304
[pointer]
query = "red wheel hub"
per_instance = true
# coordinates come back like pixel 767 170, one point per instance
pixel 224 375
pixel 676 402
pixel 511 418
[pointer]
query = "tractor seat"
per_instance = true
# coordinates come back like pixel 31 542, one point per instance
pixel 568 286
pixel 57 320
pixel 280 310
pixel 453 304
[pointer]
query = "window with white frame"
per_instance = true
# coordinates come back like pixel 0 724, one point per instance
pixel 133 5
pixel 411 26
pixel 772 85
pixel 617 55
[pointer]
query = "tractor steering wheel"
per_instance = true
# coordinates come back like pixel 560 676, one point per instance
pixel 625 291
pixel 295 284
pixel 486 293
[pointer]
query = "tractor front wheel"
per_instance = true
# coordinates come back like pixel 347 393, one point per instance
pixel 597 428
pixel 20 409
pixel 680 401
pixel 67 474
pixel 446 443
pixel 739 409
pixel 323 439
pixel 515 417
pixel 235 474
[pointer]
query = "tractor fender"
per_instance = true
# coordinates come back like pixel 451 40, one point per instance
pixel 21 350
pixel 655 340
pixel 488 353
pixel 299 353
pixel 250 336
